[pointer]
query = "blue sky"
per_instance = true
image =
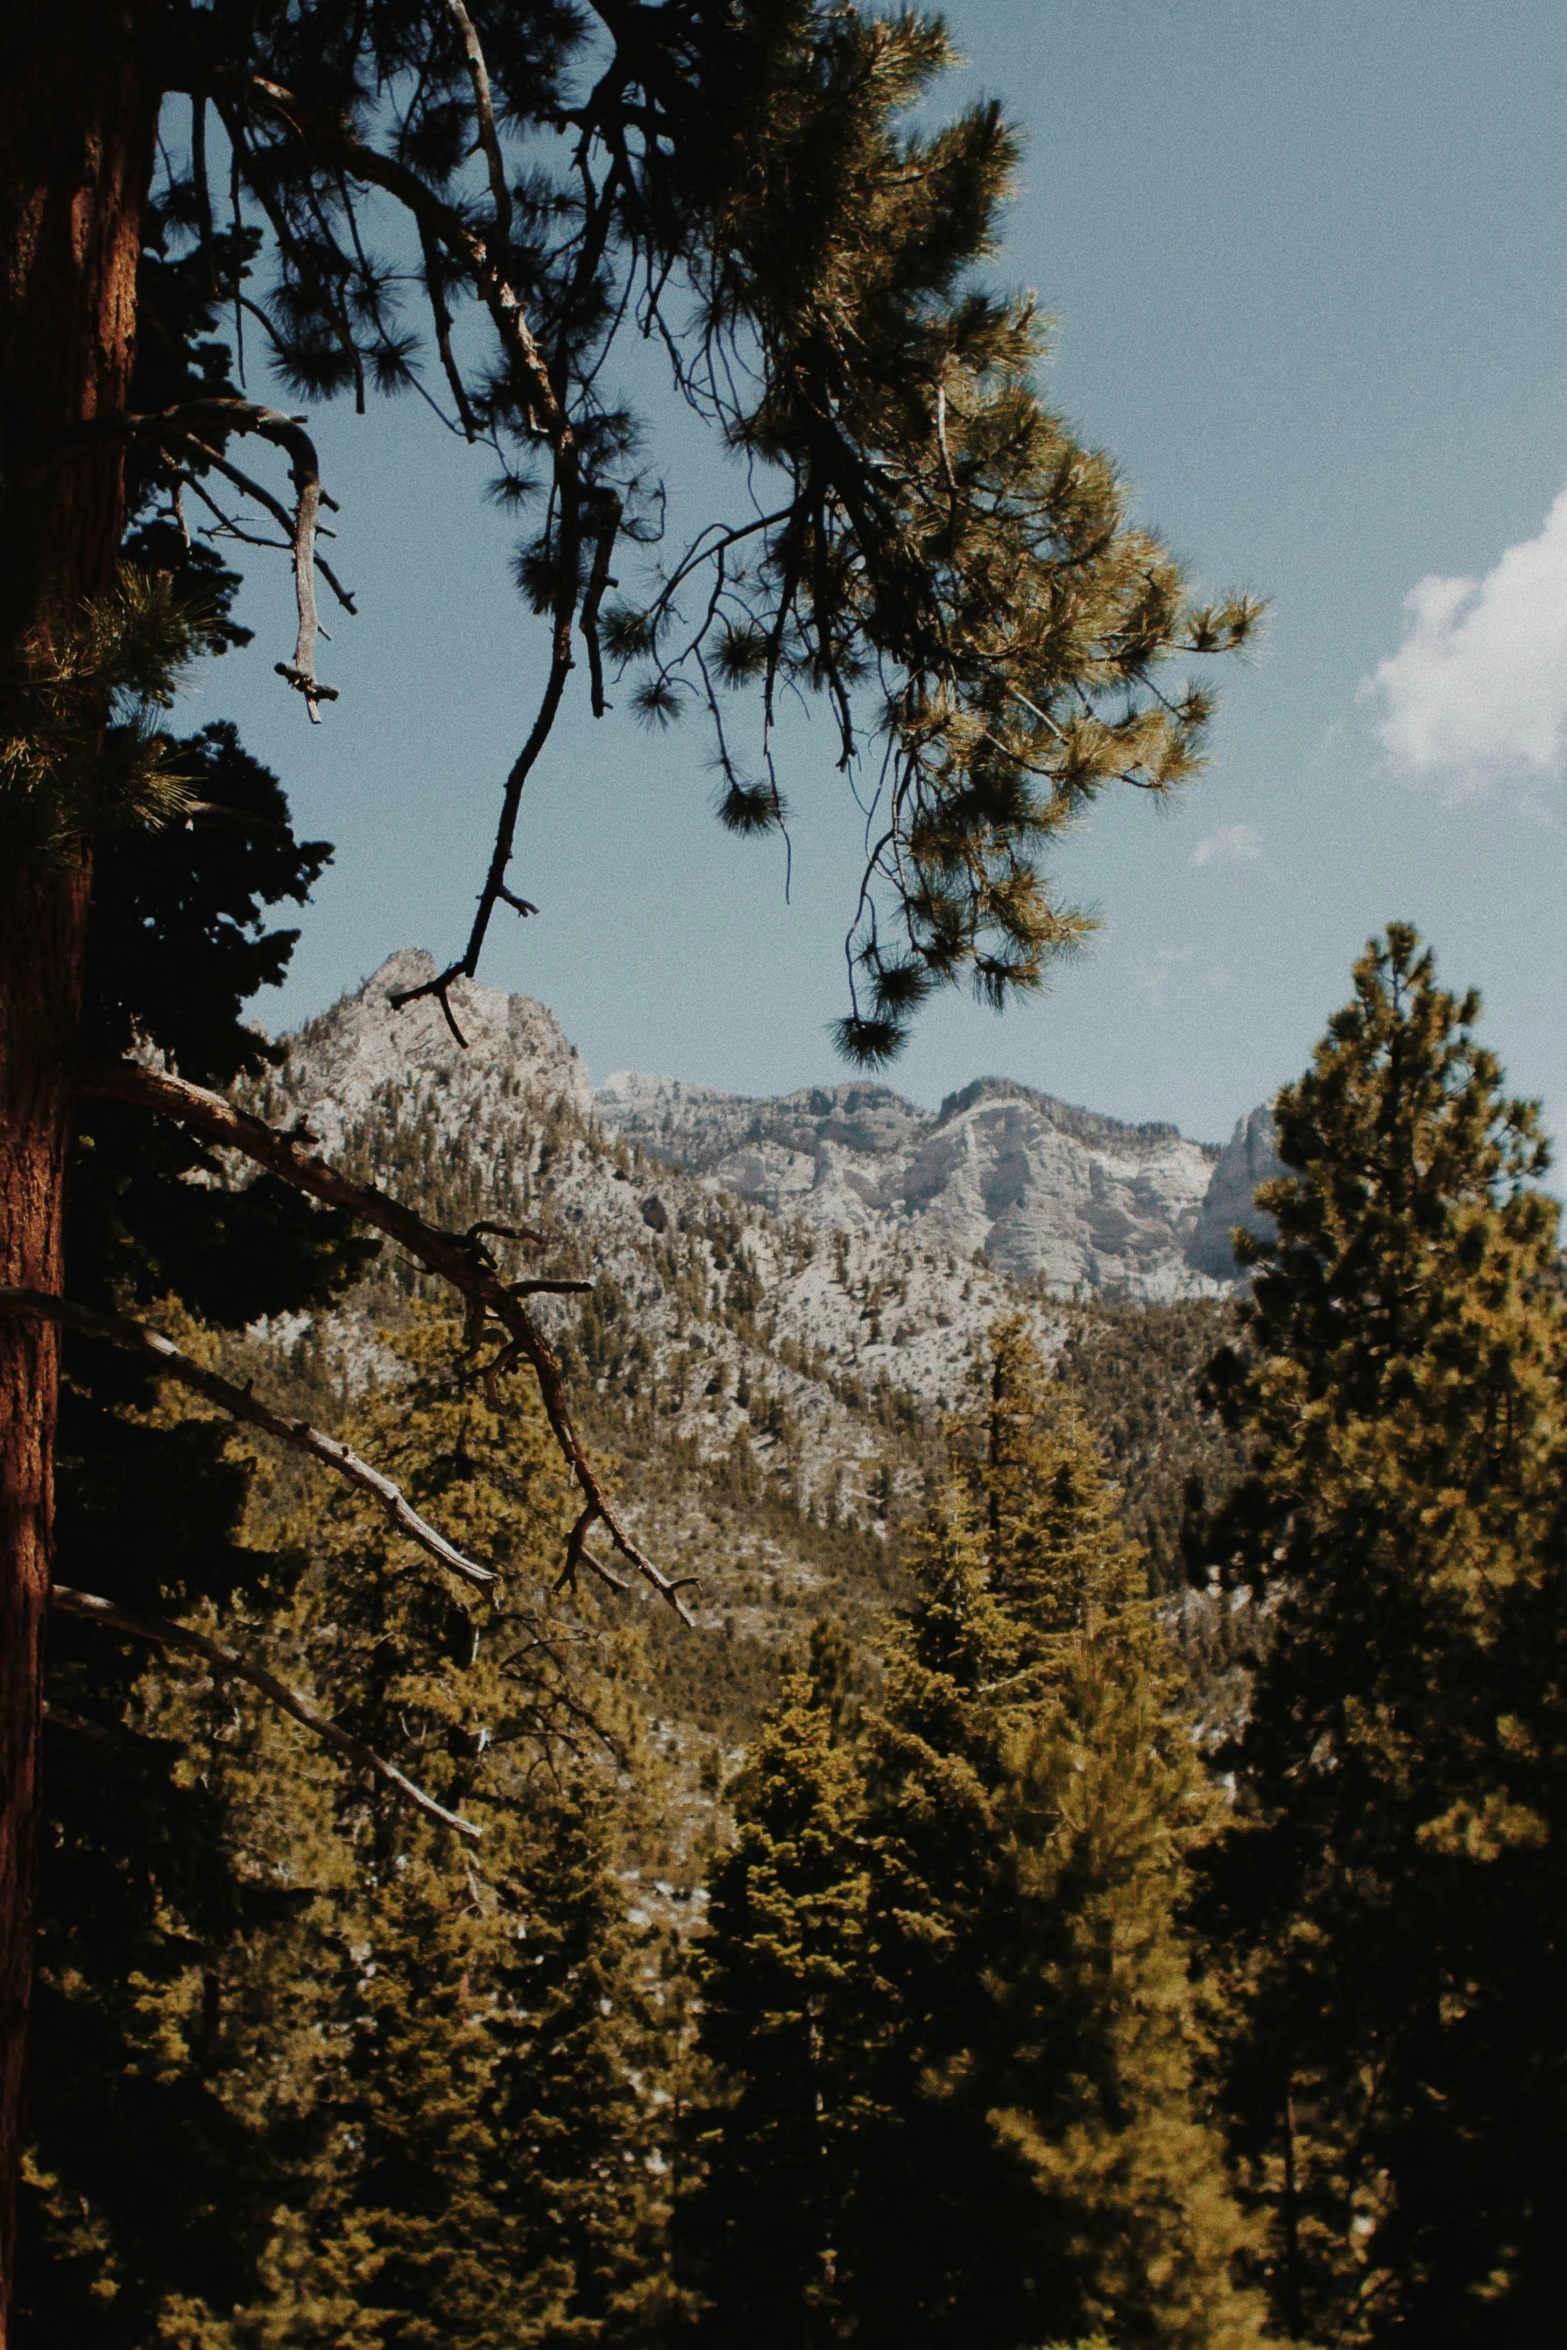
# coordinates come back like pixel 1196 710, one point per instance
pixel 1309 271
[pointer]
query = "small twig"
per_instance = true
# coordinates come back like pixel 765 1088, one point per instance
pixel 232 1664
pixel 436 294
pixel 550 1288
pixel 241 1404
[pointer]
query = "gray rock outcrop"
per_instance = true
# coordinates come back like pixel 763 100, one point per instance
pixel 1250 1157
pixel 1044 1188
pixel 362 1045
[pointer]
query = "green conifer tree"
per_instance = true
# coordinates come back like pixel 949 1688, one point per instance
pixel 1035 2159
pixel 1396 1899
pixel 777 1978
pixel 477 2173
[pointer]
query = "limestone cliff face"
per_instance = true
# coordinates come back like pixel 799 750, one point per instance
pixel 1047 1191
pixel 1043 1188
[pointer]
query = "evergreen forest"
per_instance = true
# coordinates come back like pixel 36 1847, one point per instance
pixel 481 1869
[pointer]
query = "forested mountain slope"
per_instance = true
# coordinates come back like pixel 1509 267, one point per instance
pixel 772 1383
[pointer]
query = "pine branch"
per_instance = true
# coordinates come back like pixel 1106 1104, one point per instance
pixel 241 1404
pixel 233 1665
pixel 481 259
pixel 179 424
pixel 458 1258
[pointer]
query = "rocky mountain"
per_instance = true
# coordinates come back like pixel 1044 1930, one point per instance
pixel 1050 1193
pixel 787 1296
pixel 737 1325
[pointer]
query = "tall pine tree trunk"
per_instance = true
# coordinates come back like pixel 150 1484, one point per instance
pixel 77 120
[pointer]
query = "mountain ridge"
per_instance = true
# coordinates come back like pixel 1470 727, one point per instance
pixel 1048 1191
pixel 770 1389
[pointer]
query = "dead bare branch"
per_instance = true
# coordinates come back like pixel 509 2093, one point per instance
pixel 242 1404
pixel 287 433
pixel 478 74
pixel 456 1258
pixel 274 506
pixel 231 1664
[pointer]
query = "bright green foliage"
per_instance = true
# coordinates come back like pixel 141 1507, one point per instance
pixel 779 1976
pixel 1035 1792
pixel 1397 1901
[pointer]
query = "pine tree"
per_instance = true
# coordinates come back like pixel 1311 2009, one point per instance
pixel 483 2181
pixel 438 2069
pixel 777 1976
pixel 1037 2160
pixel 1395 1898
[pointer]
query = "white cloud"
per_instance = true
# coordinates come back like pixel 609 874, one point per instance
pixel 1479 684
pixel 1235 844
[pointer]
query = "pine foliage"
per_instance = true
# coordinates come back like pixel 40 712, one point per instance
pixel 1395 1895
pixel 1005 2100
pixel 779 1976
pixel 420 2069
pixel 909 533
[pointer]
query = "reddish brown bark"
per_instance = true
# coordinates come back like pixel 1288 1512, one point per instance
pixel 77 120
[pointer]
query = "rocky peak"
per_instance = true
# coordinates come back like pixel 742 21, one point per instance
pixel 1045 1189
pixel 364 1045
